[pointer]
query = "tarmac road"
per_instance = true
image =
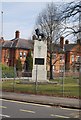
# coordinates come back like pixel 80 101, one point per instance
pixel 17 109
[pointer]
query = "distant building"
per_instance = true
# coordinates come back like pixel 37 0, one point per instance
pixel 66 57
pixel 14 49
pixel 58 56
pixel 72 56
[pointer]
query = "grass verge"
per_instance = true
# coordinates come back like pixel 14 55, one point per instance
pixel 70 88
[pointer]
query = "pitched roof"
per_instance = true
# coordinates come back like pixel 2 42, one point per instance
pixel 18 43
pixel 56 48
pixel 28 44
pixel 69 47
pixel 7 44
pixel 23 43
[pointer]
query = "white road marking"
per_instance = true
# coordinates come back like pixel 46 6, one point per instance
pixel 60 116
pixel 70 109
pixel 29 111
pixel 3 107
pixel 4 115
pixel 26 103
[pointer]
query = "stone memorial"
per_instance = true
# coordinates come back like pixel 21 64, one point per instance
pixel 39 72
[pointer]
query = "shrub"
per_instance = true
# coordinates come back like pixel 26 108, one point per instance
pixel 7 71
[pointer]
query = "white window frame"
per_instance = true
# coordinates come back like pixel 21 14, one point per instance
pixel 72 58
pixel 24 54
pixel 21 54
pixel 78 58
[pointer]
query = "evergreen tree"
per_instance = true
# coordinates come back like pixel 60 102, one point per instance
pixel 18 65
pixel 29 62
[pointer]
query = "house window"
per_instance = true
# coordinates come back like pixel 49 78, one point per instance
pixel 77 58
pixel 61 58
pixel 24 55
pixel 72 58
pixel 61 68
pixel 54 67
pixel 54 56
pixel 20 54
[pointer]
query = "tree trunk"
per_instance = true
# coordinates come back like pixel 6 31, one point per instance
pixel 51 75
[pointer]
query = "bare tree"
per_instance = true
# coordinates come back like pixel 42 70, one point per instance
pixel 72 19
pixel 48 23
pixel 72 13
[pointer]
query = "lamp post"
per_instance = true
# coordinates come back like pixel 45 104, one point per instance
pixel 63 74
pixel 80 78
pixel 14 78
pixel 2 24
pixel 36 82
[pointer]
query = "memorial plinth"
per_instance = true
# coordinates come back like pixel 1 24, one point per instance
pixel 39 72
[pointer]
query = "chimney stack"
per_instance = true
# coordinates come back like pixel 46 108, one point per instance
pixel 1 40
pixel 61 42
pixel 78 41
pixel 17 34
pixel 66 42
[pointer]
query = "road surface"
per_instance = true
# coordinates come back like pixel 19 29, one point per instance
pixel 17 109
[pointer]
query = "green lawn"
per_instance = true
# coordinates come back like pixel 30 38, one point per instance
pixel 71 88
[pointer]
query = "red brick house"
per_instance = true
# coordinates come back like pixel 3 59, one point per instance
pixel 72 55
pixel 58 56
pixel 66 56
pixel 14 49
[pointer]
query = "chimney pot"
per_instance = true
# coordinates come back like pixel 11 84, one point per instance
pixel 66 42
pixel 61 41
pixel 78 41
pixel 17 34
pixel 1 40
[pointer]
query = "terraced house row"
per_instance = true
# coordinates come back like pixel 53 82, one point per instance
pixel 65 55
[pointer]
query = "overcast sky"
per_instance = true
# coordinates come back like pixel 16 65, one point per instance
pixel 21 16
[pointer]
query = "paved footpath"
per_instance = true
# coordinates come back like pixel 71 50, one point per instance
pixel 57 101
